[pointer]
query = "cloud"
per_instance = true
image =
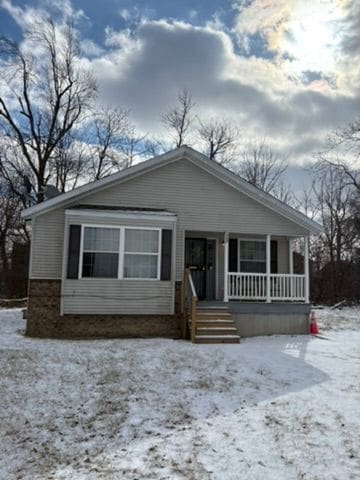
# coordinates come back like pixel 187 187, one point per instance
pixel 143 66
pixel 351 32
pixel 145 69
pixel 25 17
pixel 302 36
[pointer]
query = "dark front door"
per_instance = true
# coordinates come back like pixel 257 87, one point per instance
pixel 200 256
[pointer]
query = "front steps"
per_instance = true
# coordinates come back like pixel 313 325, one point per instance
pixel 215 325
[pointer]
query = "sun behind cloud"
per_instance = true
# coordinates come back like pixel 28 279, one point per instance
pixel 303 35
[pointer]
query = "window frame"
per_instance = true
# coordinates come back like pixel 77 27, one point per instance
pixel 242 239
pixel 158 254
pixel 121 252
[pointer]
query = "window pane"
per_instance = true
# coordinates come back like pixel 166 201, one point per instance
pixel 142 241
pixel 103 265
pixel 252 267
pixel 101 239
pixel 140 266
pixel 250 250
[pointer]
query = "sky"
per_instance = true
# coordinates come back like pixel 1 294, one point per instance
pixel 284 70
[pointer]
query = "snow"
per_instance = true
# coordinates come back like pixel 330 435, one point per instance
pixel 280 407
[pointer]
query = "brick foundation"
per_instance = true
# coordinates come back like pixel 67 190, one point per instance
pixel 44 320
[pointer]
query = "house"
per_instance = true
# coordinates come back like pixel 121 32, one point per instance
pixel 125 255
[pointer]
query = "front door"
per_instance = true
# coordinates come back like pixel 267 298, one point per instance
pixel 200 255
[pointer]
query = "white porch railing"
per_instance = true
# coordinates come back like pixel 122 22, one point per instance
pixel 253 286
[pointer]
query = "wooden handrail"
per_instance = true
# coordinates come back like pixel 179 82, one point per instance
pixel 193 291
pixel 188 292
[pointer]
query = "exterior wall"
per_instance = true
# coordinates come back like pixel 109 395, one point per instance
pixel 44 320
pixel 260 318
pixel 255 324
pixel 47 245
pixel 283 255
pixel 112 296
pixel 201 202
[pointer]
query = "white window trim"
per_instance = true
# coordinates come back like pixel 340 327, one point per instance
pixel 121 252
pixel 244 239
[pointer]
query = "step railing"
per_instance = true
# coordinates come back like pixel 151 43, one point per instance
pixel 253 286
pixel 189 305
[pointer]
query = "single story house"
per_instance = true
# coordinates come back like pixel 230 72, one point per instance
pixel 123 256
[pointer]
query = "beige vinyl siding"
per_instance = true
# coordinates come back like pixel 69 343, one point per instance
pixel 116 297
pixel 201 201
pixel 47 245
pixel 283 255
pixel 48 235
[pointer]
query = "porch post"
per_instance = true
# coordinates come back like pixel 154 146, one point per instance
pixel 268 268
pixel 226 266
pixel 306 269
pixel 291 268
pixel 291 257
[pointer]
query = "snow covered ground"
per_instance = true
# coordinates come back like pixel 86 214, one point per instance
pixel 281 407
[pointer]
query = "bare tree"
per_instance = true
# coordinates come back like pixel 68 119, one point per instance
pixel 44 96
pixel 111 128
pixel 262 167
pixel 306 202
pixel 178 120
pixel 219 138
pixel 9 215
pixel 12 233
pixel 135 147
pixel 334 196
pixel 15 175
pixel 69 164
pixel 343 151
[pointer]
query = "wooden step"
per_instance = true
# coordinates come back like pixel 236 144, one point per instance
pixel 212 309
pixel 210 315
pixel 214 323
pixel 217 339
pixel 217 330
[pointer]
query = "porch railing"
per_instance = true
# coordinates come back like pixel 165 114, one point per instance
pixel 189 305
pixel 253 286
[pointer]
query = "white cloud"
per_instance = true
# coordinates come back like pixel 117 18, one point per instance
pixel 142 69
pixel 145 70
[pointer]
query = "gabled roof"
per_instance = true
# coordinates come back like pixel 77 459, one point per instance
pixel 193 156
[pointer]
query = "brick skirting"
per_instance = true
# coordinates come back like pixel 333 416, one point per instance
pixel 44 320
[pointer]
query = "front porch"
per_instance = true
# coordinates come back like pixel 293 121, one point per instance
pixel 243 285
pixel 235 267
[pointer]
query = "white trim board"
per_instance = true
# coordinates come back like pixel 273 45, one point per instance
pixel 123 215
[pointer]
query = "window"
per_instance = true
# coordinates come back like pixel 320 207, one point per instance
pixel 252 256
pixel 100 252
pixel 141 253
pixel 120 252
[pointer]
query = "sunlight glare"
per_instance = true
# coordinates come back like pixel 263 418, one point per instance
pixel 310 38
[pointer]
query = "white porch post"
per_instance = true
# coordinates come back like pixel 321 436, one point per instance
pixel 291 268
pixel 291 257
pixel 268 268
pixel 226 266
pixel 306 269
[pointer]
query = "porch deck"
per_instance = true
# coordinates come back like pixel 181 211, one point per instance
pixel 261 318
pixel 258 308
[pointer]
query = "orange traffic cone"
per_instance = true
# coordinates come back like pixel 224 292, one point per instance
pixel 313 325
